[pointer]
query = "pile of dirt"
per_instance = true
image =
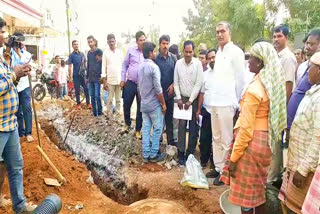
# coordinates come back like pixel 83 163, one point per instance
pixel 77 190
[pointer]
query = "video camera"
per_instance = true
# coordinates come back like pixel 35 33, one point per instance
pixel 15 41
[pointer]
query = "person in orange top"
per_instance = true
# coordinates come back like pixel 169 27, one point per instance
pixel 262 117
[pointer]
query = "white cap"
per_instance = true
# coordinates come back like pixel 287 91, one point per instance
pixel 315 59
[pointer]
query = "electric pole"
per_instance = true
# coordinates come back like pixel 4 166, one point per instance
pixel 68 25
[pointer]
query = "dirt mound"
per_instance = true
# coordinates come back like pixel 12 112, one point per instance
pixel 76 191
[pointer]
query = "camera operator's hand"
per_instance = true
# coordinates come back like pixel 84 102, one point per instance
pixel 22 70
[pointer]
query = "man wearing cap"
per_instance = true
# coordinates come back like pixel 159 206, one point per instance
pixel 303 153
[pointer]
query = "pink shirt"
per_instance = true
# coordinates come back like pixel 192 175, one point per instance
pixel 62 75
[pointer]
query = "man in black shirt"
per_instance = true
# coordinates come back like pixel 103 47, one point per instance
pixel 94 74
pixel 166 62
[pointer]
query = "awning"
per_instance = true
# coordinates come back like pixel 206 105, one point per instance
pixel 24 15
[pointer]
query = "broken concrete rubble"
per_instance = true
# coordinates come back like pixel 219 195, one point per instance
pixel 98 142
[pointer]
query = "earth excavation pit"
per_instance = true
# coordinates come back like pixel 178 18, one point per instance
pixel 104 169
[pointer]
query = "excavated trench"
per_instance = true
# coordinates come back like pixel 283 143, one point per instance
pixel 102 149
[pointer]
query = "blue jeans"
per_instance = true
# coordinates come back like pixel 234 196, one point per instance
pixel 154 119
pixel 24 113
pixel 105 97
pixel 10 151
pixel 63 90
pixel 94 90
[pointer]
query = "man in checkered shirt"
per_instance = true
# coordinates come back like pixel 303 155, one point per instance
pixel 10 151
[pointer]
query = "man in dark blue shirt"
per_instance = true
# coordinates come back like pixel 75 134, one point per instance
pixel 166 62
pixel 77 60
pixel 94 75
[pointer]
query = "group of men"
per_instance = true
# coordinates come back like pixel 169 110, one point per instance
pixel 213 87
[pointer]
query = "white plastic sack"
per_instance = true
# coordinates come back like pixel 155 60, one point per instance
pixel 193 175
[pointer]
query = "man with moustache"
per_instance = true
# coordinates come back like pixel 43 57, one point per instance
pixel 228 81
pixel 188 77
pixel 129 80
pixel 204 110
pixel 166 62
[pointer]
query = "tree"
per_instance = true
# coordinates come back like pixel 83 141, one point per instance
pixel 154 34
pixel 201 26
pixel 304 15
pixel 130 36
pixel 247 18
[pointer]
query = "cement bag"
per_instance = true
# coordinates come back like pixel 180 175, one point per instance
pixel 193 175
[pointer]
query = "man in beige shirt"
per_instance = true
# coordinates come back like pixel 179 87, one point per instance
pixel 289 65
pixel 111 72
pixel 287 58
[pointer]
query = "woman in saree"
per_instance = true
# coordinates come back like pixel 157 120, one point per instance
pixel 258 129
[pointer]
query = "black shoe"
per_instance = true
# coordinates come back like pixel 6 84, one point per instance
pixel 203 165
pixel 181 158
pixel 212 174
pixel 187 155
pixel 212 166
pixel 217 181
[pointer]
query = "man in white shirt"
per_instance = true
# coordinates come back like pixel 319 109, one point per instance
pixel 287 58
pixel 188 76
pixel 203 110
pixel 111 72
pixel 223 94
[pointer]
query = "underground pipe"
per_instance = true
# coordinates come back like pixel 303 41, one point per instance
pixel 50 205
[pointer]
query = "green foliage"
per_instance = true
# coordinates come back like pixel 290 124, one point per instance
pixel 247 19
pixel 201 26
pixel 305 15
pixel 154 34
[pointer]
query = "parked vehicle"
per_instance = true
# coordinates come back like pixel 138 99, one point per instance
pixel 48 85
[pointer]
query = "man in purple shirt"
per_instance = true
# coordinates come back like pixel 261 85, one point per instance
pixel 129 80
pixel 312 46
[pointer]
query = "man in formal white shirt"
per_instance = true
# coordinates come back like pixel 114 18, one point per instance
pixel 188 77
pixel 225 90
pixel 111 72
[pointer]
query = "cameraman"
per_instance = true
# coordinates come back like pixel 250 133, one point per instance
pixel 20 56
pixel 10 151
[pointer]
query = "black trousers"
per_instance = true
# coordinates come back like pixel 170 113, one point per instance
pixel 193 130
pixel 168 118
pixel 205 137
pixel 128 94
